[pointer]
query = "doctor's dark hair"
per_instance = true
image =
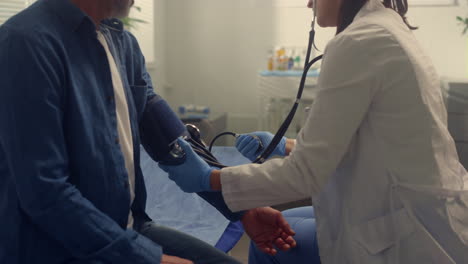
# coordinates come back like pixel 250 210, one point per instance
pixel 350 8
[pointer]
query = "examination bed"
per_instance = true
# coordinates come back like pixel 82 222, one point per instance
pixel 169 206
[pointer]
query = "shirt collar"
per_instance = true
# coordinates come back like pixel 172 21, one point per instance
pixel 73 16
pixel 113 24
pixel 370 7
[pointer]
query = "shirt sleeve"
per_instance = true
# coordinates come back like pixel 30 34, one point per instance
pixel 32 97
pixel 346 84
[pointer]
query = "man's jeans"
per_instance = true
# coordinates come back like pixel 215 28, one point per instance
pixel 179 244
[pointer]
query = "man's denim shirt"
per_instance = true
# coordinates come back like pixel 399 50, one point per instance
pixel 64 193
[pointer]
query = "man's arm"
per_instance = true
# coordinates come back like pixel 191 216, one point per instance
pixel 213 198
pixel 31 133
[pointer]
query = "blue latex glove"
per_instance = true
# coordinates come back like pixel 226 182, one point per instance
pixel 248 144
pixel 193 175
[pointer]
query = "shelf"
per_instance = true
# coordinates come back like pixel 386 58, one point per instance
pixel 276 95
pixel 311 73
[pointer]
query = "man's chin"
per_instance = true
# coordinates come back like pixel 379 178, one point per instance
pixel 122 14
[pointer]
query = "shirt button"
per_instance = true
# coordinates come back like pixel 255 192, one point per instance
pixel 110 99
pixel 117 141
pixel 126 185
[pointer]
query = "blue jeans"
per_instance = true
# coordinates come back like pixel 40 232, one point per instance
pixel 302 220
pixel 179 244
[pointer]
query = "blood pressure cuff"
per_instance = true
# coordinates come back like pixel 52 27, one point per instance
pixel 159 128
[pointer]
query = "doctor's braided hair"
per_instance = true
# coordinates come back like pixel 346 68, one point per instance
pixel 350 8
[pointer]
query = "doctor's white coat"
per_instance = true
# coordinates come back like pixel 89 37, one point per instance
pixel 375 154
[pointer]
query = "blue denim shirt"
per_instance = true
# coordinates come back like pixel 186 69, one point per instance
pixel 64 193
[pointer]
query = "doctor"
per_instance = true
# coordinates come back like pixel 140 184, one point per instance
pixel 375 155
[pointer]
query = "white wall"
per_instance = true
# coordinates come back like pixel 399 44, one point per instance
pixel 212 50
pixel 440 36
pixel 145 31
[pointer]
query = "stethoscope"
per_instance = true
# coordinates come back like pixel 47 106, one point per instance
pixel 205 152
pixel 287 122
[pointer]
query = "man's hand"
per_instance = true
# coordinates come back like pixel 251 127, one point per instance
pixel 268 229
pixel 166 259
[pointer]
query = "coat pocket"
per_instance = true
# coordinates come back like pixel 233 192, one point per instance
pixel 381 233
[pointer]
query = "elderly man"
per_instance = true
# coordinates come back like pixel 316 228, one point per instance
pixel 73 93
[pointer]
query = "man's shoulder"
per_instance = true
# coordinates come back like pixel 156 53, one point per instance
pixel 31 34
pixel 32 22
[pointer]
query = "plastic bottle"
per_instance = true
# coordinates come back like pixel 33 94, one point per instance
pixel 291 61
pixel 297 63
pixel 283 60
pixel 277 66
pixel 297 60
pixel 271 61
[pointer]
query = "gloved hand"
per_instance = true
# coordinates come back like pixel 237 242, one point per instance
pixel 193 175
pixel 248 144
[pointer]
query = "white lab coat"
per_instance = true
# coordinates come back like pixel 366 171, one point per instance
pixel 375 154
